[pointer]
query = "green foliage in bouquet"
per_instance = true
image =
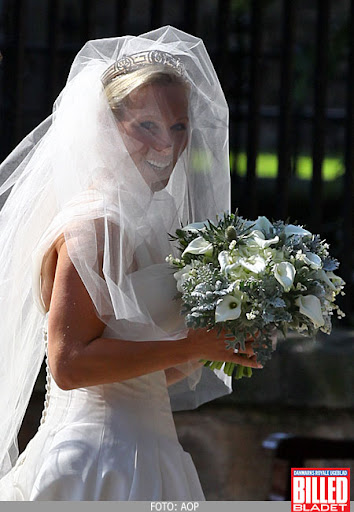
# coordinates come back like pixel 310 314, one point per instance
pixel 251 278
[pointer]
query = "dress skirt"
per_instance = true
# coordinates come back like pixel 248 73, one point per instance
pixel 114 442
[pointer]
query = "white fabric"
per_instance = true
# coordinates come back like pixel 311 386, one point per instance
pixel 77 175
pixel 111 442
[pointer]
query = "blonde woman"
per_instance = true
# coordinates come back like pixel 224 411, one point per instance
pixel 137 144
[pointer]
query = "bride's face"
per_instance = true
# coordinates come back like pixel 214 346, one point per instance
pixel 154 128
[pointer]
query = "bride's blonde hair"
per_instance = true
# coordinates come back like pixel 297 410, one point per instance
pixel 119 89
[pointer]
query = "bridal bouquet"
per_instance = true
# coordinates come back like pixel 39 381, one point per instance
pixel 250 278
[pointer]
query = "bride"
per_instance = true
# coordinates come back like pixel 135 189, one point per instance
pixel 137 144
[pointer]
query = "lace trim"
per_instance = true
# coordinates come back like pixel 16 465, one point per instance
pixel 48 380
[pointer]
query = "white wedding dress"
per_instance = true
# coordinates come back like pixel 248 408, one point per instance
pixel 116 441
pixel 113 441
pixel 108 442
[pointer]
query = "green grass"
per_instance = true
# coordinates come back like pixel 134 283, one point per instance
pixel 267 164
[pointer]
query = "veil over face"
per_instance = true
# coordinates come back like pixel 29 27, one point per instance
pixel 115 176
pixel 154 129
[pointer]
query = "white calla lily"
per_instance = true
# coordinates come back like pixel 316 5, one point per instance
pixel 263 224
pixel 261 240
pixel 199 246
pixel 337 281
pixel 291 229
pixel 194 227
pixel 310 306
pixel 251 237
pixel 227 262
pixel 312 260
pixel 284 273
pixel 224 260
pixel 229 308
pixel 323 276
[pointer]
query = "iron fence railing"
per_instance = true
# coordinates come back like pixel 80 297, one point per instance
pixel 34 69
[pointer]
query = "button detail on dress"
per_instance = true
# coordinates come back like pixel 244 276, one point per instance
pixel 48 380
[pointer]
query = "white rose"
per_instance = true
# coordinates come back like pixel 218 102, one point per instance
pixel 229 307
pixel 270 254
pixel 255 264
pixel 249 249
pixel 229 264
pixel 284 273
pixel 237 273
pixel 310 306
pixel 199 246
pixel 181 276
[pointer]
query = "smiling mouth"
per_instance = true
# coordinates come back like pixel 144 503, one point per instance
pixel 158 166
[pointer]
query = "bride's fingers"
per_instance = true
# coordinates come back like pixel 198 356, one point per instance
pixel 243 359
pixel 248 349
pixel 247 361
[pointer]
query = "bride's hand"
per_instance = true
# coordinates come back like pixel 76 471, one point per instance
pixel 208 345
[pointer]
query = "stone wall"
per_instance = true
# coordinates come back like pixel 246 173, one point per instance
pixel 226 444
pixel 305 389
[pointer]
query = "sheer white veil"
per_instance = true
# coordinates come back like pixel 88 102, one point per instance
pixel 74 176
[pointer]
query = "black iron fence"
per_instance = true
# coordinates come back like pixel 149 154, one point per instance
pixel 287 69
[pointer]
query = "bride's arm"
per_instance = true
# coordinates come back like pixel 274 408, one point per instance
pixel 80 357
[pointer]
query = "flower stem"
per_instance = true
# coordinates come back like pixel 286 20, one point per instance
pixel 248 372
pixel 230 369
pixel 239 371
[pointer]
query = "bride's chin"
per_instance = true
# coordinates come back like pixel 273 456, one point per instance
pixel 159 185
pixel 152 179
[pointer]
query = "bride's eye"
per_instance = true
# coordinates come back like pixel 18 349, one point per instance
pixel 179 127
pixel 147 125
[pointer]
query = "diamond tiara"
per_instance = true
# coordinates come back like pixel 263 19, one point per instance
pixel 130 63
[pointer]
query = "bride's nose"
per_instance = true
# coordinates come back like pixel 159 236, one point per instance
pixel 163 143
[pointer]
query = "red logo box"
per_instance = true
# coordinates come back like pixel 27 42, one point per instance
pixel 320 489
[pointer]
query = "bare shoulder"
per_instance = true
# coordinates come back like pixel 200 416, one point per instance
pixel 71 310
pixel 48 269
pixel 73 322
